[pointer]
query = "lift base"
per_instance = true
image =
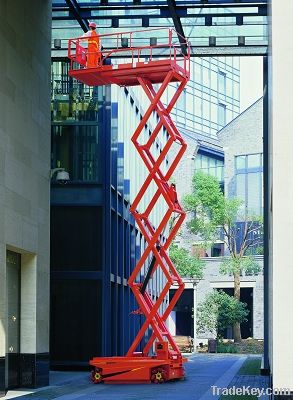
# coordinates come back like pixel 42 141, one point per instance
pixel 137 369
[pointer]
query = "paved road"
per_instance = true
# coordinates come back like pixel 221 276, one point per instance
pixel 202 371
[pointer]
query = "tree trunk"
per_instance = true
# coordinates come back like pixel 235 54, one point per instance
pixel 237 333
pixel 236 327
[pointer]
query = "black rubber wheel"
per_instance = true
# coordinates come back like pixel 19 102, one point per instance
pixel 96 375
pixel 158 375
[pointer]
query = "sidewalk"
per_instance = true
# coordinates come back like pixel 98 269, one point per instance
pixel 253 381
pixel 202 371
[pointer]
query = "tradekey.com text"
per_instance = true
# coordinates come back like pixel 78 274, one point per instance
pixel 249 391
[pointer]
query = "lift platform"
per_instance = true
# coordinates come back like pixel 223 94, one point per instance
pixel 124 61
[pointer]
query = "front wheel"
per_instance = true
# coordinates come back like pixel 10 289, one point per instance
pixel 96 375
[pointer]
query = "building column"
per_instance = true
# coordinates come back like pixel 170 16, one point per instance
pixel 281 195
pixel 25 192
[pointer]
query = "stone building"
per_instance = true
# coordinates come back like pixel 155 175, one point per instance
pixel 239 146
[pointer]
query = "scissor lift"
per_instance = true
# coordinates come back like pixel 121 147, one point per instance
pixel 164 61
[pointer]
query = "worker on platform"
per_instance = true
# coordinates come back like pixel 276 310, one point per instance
pixel 94 54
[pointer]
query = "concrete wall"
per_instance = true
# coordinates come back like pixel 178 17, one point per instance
pixel 25 31
pixel 281 195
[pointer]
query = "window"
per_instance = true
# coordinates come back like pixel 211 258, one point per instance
pixel 197 107
pixel 221 114
pixel 217 250
pixel 181 108
pixel 240 162
pixel 214 114
pixel 204 162
pixel 206 109
pixel 249 182
pixel 210 165
pixel 77 149
pixel 240 187
pixel 181 102
pixel 214 83
pixel 72 100
pixel 254 192
pixel 222 82
pixel 189 103
pixel 229 88
pixel 236 90
pixel 197 73
pixel 253 161
pixel 206 77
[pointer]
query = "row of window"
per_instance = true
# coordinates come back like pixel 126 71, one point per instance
pixel 222 82
pixel 248 178
pixel 211 110
pixel 209 165
pixel 211 98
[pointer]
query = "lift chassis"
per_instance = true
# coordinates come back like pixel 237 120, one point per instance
pixel 167 61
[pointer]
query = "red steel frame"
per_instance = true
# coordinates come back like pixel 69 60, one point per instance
pixel 167 361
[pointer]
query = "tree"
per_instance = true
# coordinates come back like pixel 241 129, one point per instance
pixel 219 311
pixel 186 265
pixel 215 215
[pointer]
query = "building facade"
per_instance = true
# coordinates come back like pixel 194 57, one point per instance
pixel 94 242
pixel 251 294
pixel 212 97
pixel 25 193
pixel 235 158
pixel 242 141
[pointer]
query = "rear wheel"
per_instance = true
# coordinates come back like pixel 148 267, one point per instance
pixel 96 375
pixel 158 375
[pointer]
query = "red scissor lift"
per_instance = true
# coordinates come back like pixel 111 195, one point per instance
pixel 164 61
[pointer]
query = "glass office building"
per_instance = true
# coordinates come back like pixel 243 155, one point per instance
pixel 211 99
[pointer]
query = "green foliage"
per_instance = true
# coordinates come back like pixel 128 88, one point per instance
pixel 219 311
pixel 186 265
pixel 237 264
pixel 214 213
pixel 216 216
pixel 226 347
pixel 257 251
pixel 208 204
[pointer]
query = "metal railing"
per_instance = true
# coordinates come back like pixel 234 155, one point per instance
pixel 131 45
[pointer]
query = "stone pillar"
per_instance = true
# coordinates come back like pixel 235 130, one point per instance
pixel 25 126
pixel 281 195
pixel 194 315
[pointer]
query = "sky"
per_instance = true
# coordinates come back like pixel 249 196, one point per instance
pixel 250 81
